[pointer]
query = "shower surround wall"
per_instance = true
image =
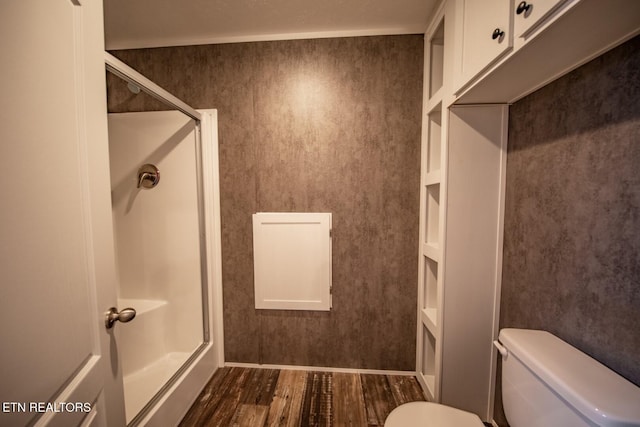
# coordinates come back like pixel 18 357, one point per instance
pixel 157 249
pixel 326 125
pixel 572 221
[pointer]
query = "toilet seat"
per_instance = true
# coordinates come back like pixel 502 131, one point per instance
pixel 427 414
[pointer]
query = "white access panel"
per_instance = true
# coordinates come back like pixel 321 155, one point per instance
pixel 292 261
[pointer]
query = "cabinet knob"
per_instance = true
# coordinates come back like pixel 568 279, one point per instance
pixel 497 33
pixel 523 7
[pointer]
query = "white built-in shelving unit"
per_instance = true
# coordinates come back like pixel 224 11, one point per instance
pixel 429 336
pixel 478 59
pixel 461 194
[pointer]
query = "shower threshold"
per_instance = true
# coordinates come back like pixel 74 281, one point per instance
pixel 142 385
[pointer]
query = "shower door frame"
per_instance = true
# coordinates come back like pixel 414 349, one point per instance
pixel 175 397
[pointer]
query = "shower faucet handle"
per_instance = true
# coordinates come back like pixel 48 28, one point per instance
pixel 148 176
pixel 124 316
pixel 145 176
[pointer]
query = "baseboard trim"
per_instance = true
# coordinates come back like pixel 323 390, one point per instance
pixel 319 369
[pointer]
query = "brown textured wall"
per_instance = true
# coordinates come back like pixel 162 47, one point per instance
pixel 572 219
pixel 329 125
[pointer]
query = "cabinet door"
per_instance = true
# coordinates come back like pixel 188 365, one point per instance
pixel 484 34
pixel 528 14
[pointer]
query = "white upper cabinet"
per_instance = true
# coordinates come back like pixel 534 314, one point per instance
pixel 544 39
pixel 549 39
pixel 528 14
pixel 482 38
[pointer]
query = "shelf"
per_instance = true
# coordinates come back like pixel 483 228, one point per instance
pixel 430 319
pixel 434 102
pixel 432 217
pixel 431 251
pixel 436 59
pixel 430 382
pixel 435 140
pixel 430 284
pixel 428 365
pixel 432 178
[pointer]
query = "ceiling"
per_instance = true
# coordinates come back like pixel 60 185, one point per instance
pixel 153 23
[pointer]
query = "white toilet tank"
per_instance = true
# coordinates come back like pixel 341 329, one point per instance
pixel 546 382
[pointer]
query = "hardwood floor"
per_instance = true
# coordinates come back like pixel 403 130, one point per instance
pixel 270 397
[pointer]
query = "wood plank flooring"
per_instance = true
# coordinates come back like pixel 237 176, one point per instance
pixel 247 397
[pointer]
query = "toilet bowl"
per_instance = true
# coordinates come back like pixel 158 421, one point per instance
pixel 427 414
pixel 545 382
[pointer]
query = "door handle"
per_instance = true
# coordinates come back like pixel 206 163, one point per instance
pixel 124 316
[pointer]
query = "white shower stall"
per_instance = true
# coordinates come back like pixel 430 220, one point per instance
pixel 160 173
pixel 157 248
pixel 165 210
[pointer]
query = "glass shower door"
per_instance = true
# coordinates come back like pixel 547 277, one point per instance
pixel 158 227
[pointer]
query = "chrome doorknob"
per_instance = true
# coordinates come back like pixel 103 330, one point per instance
pixel 124 316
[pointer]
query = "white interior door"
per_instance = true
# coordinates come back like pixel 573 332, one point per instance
pixel 57 363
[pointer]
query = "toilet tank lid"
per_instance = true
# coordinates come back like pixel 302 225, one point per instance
pixel 598 393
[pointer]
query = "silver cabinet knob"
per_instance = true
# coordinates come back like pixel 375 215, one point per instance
pixel 124 316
